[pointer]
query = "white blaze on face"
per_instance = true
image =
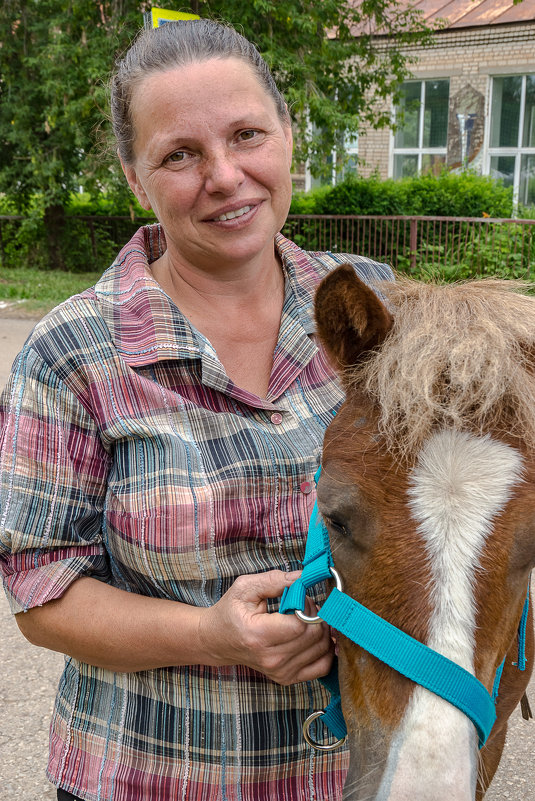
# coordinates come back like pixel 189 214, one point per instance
pixel 460 484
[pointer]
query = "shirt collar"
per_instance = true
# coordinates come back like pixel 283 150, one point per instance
pixel 147 327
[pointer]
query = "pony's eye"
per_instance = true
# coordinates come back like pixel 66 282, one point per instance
pixel 336 526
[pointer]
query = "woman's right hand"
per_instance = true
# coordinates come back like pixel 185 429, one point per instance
pixel 238 629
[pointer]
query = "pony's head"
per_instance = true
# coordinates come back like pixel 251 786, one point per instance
pixel 428 493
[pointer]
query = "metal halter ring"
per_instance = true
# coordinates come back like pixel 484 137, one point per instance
pixel 319 747
pixel 317 619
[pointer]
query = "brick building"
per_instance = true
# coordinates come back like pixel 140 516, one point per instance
pixel 471 99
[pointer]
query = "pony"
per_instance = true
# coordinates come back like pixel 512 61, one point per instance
pixel 427 491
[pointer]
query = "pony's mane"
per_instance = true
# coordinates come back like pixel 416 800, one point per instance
pixel 459 356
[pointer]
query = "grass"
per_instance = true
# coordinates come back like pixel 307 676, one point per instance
pixel 32 293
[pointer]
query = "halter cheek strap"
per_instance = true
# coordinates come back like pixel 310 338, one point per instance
pixel 392 646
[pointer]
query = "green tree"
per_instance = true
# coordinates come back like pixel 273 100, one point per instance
pixel 55 56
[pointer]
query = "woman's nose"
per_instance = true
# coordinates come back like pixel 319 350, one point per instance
pixel 223 173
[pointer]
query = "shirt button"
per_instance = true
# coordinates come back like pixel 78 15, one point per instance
pixel 276 418
pixel 306 487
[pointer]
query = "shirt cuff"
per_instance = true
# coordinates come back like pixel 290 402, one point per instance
pixel 27 587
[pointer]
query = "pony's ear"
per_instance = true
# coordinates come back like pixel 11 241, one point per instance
pixel 350 318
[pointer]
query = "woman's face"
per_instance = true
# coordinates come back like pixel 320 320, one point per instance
pixel 212 159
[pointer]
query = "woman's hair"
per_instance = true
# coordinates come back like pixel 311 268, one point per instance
pixel 173 45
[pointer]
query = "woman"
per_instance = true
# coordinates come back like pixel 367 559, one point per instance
pixel 162 430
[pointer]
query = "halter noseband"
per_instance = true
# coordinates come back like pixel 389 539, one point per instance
pixel 389 644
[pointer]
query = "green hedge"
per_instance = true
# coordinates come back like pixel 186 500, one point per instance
pixel 25 243
pixel 446 195
pixel 450 253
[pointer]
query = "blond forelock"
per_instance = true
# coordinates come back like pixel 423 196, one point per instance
pixel 458 356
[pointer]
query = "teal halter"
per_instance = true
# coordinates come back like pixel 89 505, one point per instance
pixel 389 644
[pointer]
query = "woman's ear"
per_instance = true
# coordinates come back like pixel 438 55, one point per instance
pixel 135 185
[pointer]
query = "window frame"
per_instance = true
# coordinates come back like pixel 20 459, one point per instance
pixel 337 175
pixel 420 151
pixel 517 151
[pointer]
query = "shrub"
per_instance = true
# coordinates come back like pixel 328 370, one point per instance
pixel 84 246
pixel 307 202
pixel 447 195
pixel 25 244
pixel 106 205
pixel 458 195
pixel 363 196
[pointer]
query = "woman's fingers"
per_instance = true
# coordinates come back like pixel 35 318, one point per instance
pixel 306 664
pixel 313 670
pixel 257 587
pixel 297 652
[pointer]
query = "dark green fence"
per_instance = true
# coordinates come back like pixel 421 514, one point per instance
pixel 450 247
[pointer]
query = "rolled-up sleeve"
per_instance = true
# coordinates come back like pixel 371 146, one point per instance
pixel 53 470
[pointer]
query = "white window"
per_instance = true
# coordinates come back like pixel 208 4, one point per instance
pixel 350 146
pixel 420 141
pixel 511 152
pixel 339 168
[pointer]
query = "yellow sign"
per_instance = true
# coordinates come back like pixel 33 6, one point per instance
pixel 159 16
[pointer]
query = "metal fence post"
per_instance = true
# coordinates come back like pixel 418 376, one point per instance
pixel 413 242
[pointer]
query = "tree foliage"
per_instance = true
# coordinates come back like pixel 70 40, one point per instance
pixel 56 56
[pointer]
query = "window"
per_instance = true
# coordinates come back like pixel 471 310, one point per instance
pixel 512 135
pixel 339 168
pixel 350 146
pixel 420 142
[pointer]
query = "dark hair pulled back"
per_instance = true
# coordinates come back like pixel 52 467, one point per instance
pixel 173 45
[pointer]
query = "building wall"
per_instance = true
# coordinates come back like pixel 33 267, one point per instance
pixel 469 58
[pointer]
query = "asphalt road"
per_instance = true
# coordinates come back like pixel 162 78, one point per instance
pixel 29 677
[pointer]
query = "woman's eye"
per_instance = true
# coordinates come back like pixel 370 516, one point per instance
pixel 178 157
pixel 248 135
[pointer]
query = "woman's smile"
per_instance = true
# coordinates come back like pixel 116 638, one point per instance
pixel 231 215
pixel 238 216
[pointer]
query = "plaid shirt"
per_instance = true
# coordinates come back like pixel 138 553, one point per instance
pixel 129 455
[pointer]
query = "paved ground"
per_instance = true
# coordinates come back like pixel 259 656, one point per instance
pixel 29 678
pixel 29 675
